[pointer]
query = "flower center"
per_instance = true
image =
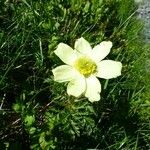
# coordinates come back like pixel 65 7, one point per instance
pixel 85 66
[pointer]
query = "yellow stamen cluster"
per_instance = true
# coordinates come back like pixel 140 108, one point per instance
pixel 85 66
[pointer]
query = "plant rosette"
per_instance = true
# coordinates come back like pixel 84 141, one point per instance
pixel 82 67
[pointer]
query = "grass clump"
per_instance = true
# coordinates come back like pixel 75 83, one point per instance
pixel 36 113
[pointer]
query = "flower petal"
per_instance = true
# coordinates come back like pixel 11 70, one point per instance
pixel 77 86
pixel 93 89
pixel 83 46
pixel 66 53
pixel 108 69
pixel 64 73
pixel 100 51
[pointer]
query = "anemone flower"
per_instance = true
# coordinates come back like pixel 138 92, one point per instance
pixel 82 67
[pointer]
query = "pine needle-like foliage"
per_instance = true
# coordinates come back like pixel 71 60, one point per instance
pixel 35 112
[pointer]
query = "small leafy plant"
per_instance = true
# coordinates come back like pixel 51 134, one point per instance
pixel 36 112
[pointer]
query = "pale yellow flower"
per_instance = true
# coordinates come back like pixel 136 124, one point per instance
pixel 82 67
